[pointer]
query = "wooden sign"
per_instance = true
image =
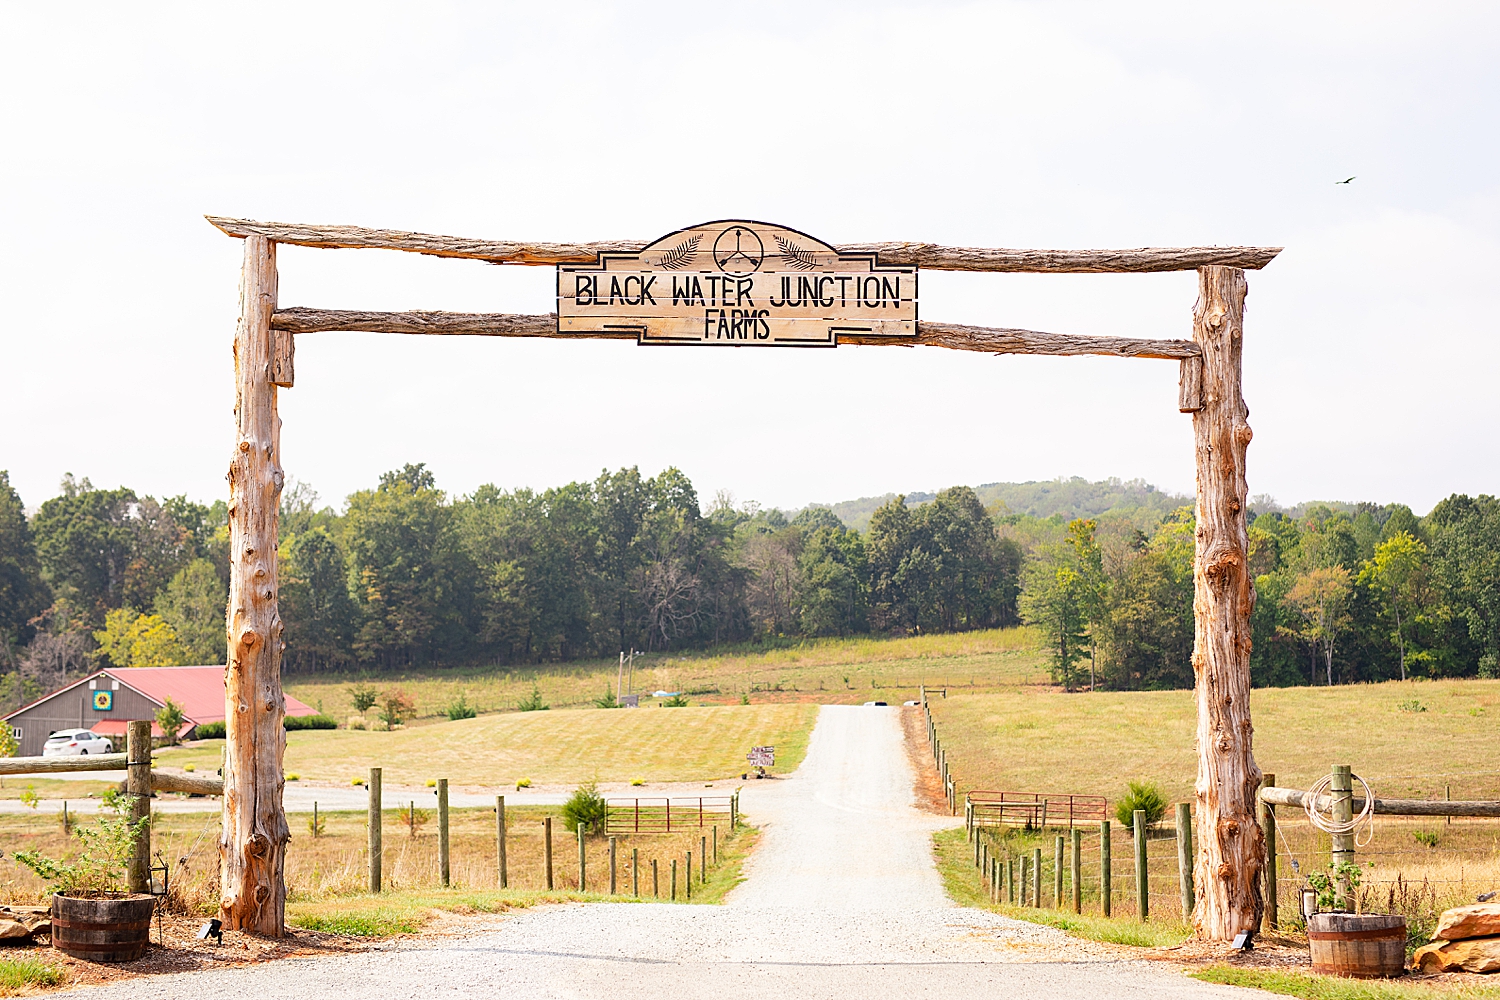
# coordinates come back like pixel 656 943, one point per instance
pixel 741 284
pixel 762 756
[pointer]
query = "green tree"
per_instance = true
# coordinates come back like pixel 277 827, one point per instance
pixel 171 720
pixel 23 592
pixel 1464 537
pixel 193 604
pixel 1054 599
pixel 319 614
pixel 85 541
pixel 408 571
pixel 1396 571
pixel 1321 596
pixel 134 640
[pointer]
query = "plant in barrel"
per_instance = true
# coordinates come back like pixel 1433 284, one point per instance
pixel 94 916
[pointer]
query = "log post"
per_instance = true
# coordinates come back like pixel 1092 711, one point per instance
pixel 1142 869
pixel 443 855
pixel 1185 858
pixel 500 840
pixel 547 848
pixel 373 831
pixel 1268 831
pixel 1231 850
pixel 138 784
pixel 1106 874
pixel 252 849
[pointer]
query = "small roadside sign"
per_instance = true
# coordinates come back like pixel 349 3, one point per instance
pixel 762 756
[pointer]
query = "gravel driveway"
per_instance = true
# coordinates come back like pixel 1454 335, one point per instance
pixel 842 901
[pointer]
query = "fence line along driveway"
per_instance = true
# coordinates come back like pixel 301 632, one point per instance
pixel 842 900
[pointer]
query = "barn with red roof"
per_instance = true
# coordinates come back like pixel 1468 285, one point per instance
pixel 105 701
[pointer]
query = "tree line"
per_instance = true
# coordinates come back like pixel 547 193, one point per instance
pixel 405 575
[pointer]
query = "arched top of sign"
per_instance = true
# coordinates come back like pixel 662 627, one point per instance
pixel 738 283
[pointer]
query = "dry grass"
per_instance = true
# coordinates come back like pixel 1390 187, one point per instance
pixel 554 747
pixel 333 867
pixel 1041 739
pixel 955 861
pixel 829 671
pixel 1311 986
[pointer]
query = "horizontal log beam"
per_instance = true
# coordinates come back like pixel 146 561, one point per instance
pixel 62 765
pixel 952 335
pixel 928 255
pixel 191 784
pixel 1387 807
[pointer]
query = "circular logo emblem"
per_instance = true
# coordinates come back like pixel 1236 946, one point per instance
pixel 738 251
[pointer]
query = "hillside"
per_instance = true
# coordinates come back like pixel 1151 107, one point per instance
pixel 1073 497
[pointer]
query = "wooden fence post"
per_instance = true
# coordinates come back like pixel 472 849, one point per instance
pixel 547 847
pixel 443 856
pixel 1268 833
pixel 1341 789
pixel 655 881
pixel 612 848
pixel 373 820
pixel 1230 852
pixel 635 872
pixel 582 861
pixel 716 843
pixel 688 882
pixel 1185 858
pixel 1025 879
pixel 1142 880
pixel 674 880
pixel 1036 877
pixel 252 846
pixel 316 829
pixel 1077 871
pixel 703 860
pixel 1057 864
pixel 138 785
pixel 500 840
pixel 1106 874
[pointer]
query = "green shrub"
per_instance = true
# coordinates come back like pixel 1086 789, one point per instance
pixel 586 808
pixel 377 924
pixel 362 696
pixel 533 702
pixel 676 701
pixel 607 699
pixel 460 709
pixel 215 730
pixel 292 722
pixel 1144 795
pixel 396 707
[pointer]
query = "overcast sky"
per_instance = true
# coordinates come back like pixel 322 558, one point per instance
pixel 1370 347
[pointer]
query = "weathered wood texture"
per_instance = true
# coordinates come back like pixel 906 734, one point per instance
pixel 1231 850
pixel 62 765
pixel 298 320
pixel 928 255
pixel 138 787
pixel 1388 807
pixel 252 850
pixel 1190 386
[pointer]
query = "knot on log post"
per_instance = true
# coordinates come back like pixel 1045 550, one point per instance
pixel 248 638
pixel 1225 871
pixel 261 895
pixel 255 848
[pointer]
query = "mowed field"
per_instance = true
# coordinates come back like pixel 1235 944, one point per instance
pixel 548 748
pixel 1409 740
pixel 827 671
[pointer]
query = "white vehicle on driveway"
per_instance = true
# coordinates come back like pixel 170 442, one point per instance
pixel 74 742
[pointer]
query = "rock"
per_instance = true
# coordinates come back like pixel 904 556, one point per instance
pixel 1464 922
pixel 1470 955
pixel 13 929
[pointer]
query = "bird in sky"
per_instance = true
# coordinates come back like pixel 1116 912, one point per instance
pixel 1346 180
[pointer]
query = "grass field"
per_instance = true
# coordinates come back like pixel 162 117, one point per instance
pixel 554 747
pixel 1411 740
pixel 1041 739
pixel 1314 987
pixel 829 671
pixel 324 873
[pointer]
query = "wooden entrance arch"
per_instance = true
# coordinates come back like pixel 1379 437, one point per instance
pixel 1231 851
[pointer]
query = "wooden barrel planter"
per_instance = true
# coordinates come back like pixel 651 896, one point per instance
pixel 1361 945
pixel 102 930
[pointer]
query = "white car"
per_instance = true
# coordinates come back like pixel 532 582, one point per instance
pixel 73 742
